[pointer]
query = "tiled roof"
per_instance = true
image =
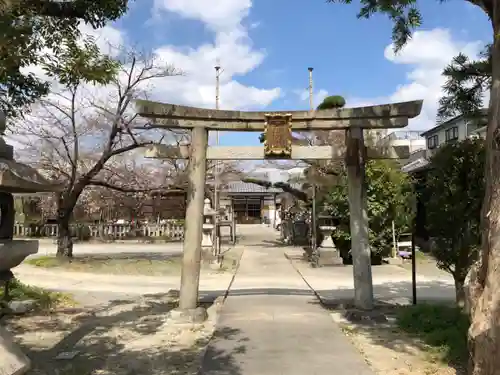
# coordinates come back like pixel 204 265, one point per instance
pixel 245 187
pixel 415 165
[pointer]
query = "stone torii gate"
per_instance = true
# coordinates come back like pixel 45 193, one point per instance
pixel 278 127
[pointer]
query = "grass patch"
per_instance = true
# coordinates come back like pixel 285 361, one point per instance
pixel 116 264
pixel 44 299
pixel 442 328
pixel 128 263
pixel 44 262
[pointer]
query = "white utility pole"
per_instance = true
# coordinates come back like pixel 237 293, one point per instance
pixel 218 72
pixel 311 101
pixel 313 214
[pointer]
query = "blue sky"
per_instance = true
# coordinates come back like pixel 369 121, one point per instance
pixel 265 47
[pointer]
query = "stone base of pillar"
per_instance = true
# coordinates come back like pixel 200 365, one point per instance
pixel 207 255
pixel 12 358
pixel 329 257
pixel 396 261
pixel 207 242
pixel 187 316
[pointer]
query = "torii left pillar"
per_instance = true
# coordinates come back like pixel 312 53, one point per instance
pixel 193 225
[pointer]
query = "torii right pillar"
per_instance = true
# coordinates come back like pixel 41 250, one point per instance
pixel 358 211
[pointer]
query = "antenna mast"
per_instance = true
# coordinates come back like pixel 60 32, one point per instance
pixel 314 236
pixel 218 73
pixel 311 103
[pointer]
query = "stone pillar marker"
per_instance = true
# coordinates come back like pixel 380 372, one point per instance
pixel 191 257
pixel 360 245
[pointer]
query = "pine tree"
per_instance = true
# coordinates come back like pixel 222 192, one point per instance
pixel 467 82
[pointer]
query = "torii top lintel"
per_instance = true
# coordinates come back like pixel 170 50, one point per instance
pixel 166 115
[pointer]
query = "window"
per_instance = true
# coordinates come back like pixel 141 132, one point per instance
pixel 247 209
pixel 432 142
pixel 451 134
pixel 254 209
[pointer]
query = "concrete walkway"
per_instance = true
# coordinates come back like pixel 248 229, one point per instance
pixel 280 329
pixel 391 283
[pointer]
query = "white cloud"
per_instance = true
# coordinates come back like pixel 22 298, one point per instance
pixel 427 53
pixel 318 96
pixel 197 86
pixel 106 38
pixel 231 45
pixel 218 15
pixel 232 48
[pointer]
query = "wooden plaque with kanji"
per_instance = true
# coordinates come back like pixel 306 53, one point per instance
pixel 278 136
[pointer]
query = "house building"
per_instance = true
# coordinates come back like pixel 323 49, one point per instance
pixel 454 130
pixel 403 142
pixel 250 203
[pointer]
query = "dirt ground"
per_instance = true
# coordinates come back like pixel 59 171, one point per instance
pixel 390 351
pixel 124 338
pixel 132 264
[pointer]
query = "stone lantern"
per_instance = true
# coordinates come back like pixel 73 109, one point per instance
pixel 208 226
pixel 326 227
pixel 328 253
pixel 14 178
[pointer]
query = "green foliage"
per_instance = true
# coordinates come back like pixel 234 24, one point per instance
pixel 330 102
pixel 44 299
pixel 467 82
pixel 45 33
pixel 443 328
pixel 454 190
pixel 390 198
pixel 76 63
pixel 403 13
pixel 262 137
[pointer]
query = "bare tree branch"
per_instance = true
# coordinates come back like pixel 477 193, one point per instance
pixel 129 190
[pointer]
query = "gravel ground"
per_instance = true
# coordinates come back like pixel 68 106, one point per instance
pixel 390 351
pixel 126 337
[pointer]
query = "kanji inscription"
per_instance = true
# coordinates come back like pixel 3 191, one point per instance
pixel 278 132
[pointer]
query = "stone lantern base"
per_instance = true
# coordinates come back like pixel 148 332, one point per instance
pixel 328 255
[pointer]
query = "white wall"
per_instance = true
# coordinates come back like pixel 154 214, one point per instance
pixel 463 131
pixel 269 209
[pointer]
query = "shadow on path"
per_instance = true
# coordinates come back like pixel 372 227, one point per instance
pixel 123 337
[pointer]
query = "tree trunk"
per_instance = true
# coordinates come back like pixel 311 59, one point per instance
pixel 64 240
pixel 66 203
pixel 484 332
pixel 460 293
